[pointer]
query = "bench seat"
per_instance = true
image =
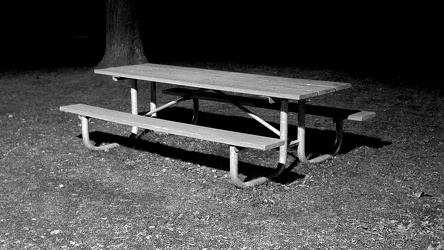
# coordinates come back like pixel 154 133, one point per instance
pixel 335 113
pixel 194 131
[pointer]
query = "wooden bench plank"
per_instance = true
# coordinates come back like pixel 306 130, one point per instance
pixel 361 116
pixel 199 132
pixel 337 113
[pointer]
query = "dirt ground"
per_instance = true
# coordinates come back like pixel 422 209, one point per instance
pixel 384 191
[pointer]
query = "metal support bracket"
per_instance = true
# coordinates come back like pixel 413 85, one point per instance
pixel 249 113
pixel 183 98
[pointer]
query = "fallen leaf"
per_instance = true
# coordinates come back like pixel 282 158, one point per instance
pixel 420 194
pixel 438 247
pixel 55 232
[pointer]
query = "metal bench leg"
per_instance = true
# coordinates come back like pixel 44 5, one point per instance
pixel 195 111
pixel 301 137
pixel 87 141
pixel 339 136
pixel 234 172
pixel 234 155
pixel 153 99
pixel 134 106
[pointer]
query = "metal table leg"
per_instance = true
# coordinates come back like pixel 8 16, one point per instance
pixel 301 137
pixel 234 158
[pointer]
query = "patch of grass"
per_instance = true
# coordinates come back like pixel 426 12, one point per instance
pixel 384 191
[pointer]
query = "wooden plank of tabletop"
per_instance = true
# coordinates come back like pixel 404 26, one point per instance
pixel 272 86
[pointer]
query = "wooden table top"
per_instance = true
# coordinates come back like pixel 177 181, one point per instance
pixel 262 85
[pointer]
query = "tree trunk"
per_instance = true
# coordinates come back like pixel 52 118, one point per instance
pixel 123 34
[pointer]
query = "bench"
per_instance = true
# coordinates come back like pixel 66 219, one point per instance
pixel 231 138
pixel 335 113
pixel 338 115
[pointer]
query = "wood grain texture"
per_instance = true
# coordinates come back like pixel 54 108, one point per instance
pixel 263 85
pixel 177 128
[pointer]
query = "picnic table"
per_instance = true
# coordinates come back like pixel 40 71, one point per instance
pixel 263 91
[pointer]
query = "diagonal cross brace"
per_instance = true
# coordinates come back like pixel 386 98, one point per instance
pixel 183 98
pixel 249 113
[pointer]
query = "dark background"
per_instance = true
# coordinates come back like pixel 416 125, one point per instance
pixel 373 37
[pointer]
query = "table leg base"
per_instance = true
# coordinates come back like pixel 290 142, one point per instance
pixel 336 148
pixel 234 173
pixel 87 141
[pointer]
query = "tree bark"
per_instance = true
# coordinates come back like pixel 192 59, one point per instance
pixel 123 34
